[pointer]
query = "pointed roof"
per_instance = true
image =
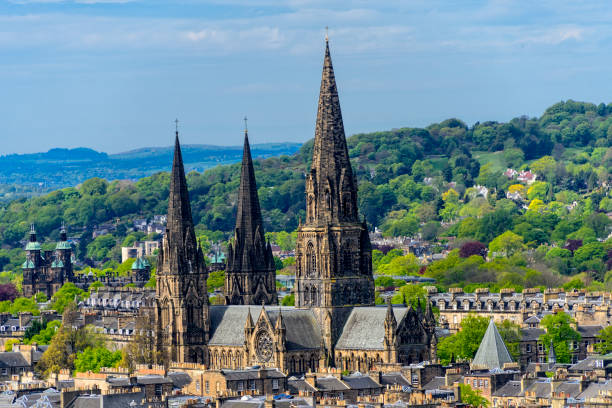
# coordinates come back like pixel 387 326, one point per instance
pixel 33 244
pixel 63 241
pixel 552 356
pixel 492 352
pixel 330 161
pixel 180 233
pixel 248 216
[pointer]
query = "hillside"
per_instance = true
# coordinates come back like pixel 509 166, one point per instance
pixel 58 168
pixel 412 182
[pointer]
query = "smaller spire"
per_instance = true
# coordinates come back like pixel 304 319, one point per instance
pixel 552 356
pixel 249 322
pixel 32 233
pixel 280 324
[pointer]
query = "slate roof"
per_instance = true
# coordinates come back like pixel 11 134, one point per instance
pixel 510 389
pixel 13 359
pixel 592 391
pixel 393 379
pixel 435 383
pixel 492 352
pixel 250 374
pixel 589 331
pixel 588 364
pixel 153 379
pixel 227 326
pixel 531 334
pixel 297 385
pixel 330 384
pixel 360 382
pixel 180 379
pixel 365 328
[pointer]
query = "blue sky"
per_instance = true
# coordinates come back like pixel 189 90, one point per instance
pixel 113 75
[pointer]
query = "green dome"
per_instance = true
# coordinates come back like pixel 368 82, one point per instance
pixel 139 264
pixel 57 264
pixel 33 246
pixel 63 245
pixel 28 264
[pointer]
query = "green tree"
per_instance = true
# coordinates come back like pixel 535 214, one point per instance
pixel 65 296
pixel 472 397
pixel 216 280
pixel 100 247
pixel 604 346
pixel 559 330
pixel 288 300
pixel 506 244
pixel 92 359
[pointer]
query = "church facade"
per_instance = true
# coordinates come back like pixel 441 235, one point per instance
pixel 334 322
pixel 46 271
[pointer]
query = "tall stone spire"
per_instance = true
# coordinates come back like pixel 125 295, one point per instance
pixel 180 231
pixel 250 276
pixel 181 295
pixel 333 251
pixel 331 173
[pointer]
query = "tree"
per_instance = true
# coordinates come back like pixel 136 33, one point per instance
pixel 100 247
pixel 473 248
pixel 506 244
pixel 559 330
pixel 216 280
pixel 605 341
pixel 401 265
pixel 92 359
pixel 472 397
pixel 411 295
pixel 141 350
pixel 464 343
pixel 288 300
pixel 66 295
pixel 8 291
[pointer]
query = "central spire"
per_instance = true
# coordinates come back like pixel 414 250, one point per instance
pixel 331 173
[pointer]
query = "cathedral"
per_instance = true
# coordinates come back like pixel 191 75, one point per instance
pixel 334 322
pixel 46 271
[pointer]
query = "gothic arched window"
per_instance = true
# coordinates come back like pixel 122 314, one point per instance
pixel 347 261
pixel 311 260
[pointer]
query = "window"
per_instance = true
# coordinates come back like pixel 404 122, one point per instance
pixel 480 383
pixel 275 384
pixel 528 348
pixel 540 348
pixel 198 385
pixel 475 382
pixel 252 385
pixel 4 371
pixel 541 359
pixel 158 390
pixel 486 383
pixel 415 379
pixel 206 386
pixel 240 386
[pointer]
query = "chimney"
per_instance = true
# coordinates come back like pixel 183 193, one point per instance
pixel 311 379
pixel 457 391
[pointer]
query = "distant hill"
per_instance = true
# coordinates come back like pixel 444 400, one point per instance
pixel 58 168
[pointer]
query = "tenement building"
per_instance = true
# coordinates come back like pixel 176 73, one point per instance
pixel 334 321
pixel 587 308
pixel 46 271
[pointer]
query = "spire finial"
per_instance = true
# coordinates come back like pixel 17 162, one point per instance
pixel 176 121
pixel 246 128
pixel 326 34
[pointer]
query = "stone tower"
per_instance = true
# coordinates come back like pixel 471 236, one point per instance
pixel 334 255
pixel 181 296
pixel 33 265
pixel 250 275
pixel 62 264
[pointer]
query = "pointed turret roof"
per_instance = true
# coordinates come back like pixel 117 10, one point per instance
pixel 330 160
pixel 248 216
pixel 33 244
pixel 180 233
pixel 492 352
pixel 63 241
pixel 552 356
